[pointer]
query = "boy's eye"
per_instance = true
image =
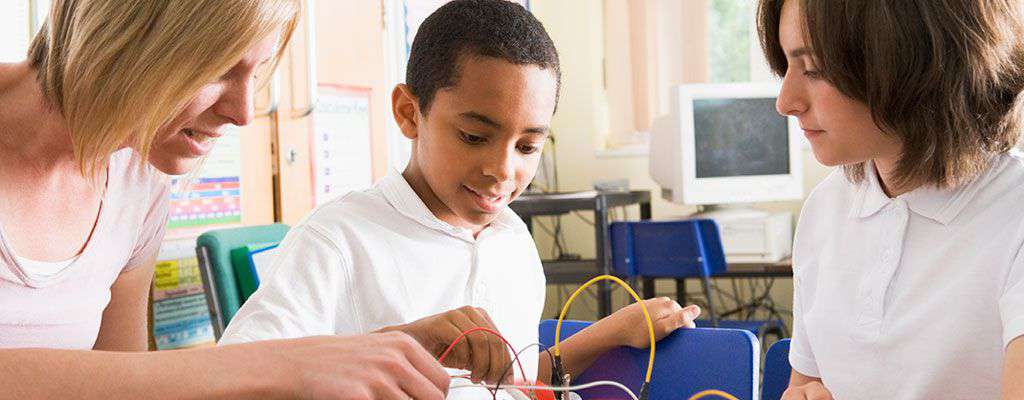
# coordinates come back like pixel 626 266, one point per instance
pixel 528 149
pixel 472 139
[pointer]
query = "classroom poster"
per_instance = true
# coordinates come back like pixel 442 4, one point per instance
pixel 214 195
pixel 341 159
pixel 180 315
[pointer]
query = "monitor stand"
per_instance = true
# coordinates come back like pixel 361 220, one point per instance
pixel 750 235
pixel 731 211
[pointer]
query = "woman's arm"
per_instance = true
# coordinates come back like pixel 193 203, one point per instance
pixel 390 365
pixel 123 327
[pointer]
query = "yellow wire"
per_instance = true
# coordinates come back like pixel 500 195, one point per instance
pixel 713 392
pixel 650 325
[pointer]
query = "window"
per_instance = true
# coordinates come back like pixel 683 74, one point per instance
pixel 653 45
pixel 18 21
pixel 730 40
pixel 14 30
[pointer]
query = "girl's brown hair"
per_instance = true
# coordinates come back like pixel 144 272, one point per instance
pixel 944 76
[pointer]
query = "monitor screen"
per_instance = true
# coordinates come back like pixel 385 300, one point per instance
pixel 739 137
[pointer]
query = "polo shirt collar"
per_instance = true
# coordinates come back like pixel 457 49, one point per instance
pixel 404 199
pixel 938 204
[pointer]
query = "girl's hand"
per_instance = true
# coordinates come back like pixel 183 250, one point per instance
pixel 811 391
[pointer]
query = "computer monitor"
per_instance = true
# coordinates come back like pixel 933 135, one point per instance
pixel 726 144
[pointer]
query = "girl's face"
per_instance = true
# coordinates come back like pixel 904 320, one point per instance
pixel 840 129
pixel 179 146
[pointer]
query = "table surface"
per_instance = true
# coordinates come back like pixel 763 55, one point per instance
pixel 563 202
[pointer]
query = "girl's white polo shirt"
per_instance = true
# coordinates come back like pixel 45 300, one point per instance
pixel 913 297
pixel 379 258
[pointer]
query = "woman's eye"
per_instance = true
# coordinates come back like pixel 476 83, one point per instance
pixel 472 139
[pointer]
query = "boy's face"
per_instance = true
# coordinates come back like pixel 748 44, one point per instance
pixel 480 143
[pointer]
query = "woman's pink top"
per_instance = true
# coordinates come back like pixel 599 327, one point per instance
pixel 64 310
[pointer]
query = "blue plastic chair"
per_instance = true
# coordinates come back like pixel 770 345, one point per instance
pixel 776 371
pixel 678 249
pixel 686 362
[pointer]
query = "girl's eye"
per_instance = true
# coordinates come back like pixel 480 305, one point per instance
pixel 472 139
pixel 812 74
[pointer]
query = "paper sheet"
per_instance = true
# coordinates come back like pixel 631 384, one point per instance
pixel 180 316
pixel 341 159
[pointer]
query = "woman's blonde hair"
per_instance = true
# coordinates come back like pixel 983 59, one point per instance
pixel 119 70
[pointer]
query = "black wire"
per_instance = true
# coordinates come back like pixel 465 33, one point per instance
pixel 511 362
pixel 585 220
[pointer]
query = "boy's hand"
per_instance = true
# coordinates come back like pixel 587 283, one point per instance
pixel 480 352
pixel 810 391
pixel 629 325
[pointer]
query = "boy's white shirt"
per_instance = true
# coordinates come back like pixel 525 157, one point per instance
pixel 913 297
pixel 379 258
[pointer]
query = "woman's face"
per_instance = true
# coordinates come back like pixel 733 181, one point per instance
pixel 840 129
pixel 179 146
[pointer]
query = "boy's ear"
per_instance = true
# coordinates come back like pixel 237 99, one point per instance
pixel 405 107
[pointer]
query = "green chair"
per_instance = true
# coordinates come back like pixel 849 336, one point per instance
pixel 227 278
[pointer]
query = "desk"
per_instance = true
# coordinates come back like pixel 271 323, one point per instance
pixel 758 301
pixel 531 205
pixel 781 269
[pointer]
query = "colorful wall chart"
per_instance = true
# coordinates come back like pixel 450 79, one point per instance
pixel 341 142
pixel 180 315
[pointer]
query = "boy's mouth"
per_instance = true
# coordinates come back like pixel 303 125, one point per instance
pixel 487 201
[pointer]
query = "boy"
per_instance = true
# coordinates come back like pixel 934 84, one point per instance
pixel 435 251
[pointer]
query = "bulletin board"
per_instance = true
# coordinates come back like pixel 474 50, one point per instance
pixel 181 318
pixel 341 155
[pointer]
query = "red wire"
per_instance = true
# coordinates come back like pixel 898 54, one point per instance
pixel 463 335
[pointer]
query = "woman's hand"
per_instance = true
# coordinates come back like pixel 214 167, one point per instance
pixel 375 366
pixel 482 353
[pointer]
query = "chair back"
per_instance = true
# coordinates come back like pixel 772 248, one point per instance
pixel 215 250
pixel 776 371
pixel 686 362
pixel 667 249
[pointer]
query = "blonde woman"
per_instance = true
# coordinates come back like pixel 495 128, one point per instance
pixel 114 96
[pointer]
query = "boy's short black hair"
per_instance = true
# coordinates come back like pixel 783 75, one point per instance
pixel 490 28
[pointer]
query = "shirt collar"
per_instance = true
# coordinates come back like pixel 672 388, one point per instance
pixel 404 199
pixel 938 204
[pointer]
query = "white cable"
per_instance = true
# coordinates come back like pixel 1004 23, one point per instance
pixel 555 388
